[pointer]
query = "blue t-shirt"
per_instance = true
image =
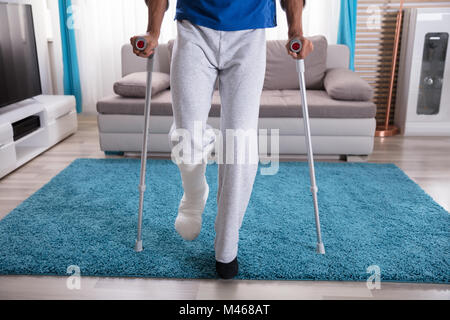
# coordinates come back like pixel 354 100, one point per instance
pixel 228 15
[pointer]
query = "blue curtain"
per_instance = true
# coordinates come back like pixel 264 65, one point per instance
pixel 347 27
pixel 69 52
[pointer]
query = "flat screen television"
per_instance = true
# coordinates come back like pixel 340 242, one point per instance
pixel 19 67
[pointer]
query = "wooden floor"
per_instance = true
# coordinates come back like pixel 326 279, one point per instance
pixel 425 160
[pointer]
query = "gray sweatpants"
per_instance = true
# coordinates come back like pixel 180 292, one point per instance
pixel 238 60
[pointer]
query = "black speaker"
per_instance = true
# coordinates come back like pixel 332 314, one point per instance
pixel 26 126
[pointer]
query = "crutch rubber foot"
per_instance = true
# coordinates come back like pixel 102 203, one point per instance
pixel 138 246
pixel 320 248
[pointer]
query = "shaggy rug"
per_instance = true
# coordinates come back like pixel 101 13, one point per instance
pixel 371 214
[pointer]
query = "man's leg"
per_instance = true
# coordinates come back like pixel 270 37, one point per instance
pixel 192 77
pixel 242 70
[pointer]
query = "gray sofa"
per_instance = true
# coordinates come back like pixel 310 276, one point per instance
pixel 342 113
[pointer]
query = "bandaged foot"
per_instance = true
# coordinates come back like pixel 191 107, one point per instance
pixel 188 223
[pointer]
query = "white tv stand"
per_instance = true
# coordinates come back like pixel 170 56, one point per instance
pixel 58 120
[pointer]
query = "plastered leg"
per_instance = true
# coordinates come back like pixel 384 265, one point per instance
pixel 189 220
pixel 193 75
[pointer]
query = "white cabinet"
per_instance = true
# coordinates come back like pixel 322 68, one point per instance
pixel 57 117
pixel 423 89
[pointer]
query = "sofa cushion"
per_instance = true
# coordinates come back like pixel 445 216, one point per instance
pixel 344 84
pixel 281 72
pixel 274 104
pixel 287 103
pixel 134 84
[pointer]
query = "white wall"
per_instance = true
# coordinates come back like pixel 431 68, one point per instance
pixel 54 47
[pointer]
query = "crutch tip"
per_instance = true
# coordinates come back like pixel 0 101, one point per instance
pixel 138 246
pixel 320 248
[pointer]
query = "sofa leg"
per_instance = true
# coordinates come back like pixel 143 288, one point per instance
pixel 114 153
pixel 354 158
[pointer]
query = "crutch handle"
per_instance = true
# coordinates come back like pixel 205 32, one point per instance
pixel 295 45
pixel 141 44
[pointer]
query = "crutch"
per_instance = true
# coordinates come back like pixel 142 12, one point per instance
pixel 141 45
pixel 296 46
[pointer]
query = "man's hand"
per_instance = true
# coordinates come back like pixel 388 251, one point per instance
pixel 152 43
pixel 294 12
pixel 307 47
pixel 156 10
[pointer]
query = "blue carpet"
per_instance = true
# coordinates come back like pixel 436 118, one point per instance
pixel 372 214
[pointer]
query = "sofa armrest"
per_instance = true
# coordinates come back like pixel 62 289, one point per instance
pixel 344 84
